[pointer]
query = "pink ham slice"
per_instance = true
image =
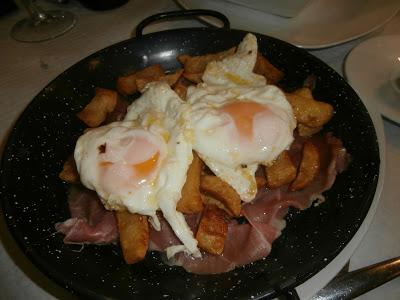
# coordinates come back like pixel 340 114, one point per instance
pixel 90 222
pixel 160 240
pixel 252 241
pixel 245 243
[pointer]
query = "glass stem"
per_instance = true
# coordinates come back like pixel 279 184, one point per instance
pixel 35 12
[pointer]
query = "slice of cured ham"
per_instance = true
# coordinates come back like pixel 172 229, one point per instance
pixel 90 222
pixel 245 242
pixel 252 241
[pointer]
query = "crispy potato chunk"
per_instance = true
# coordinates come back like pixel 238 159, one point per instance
pixel 307 110
pixel 197 64
pixel 281 172
pixel 171 79
pixel 126 85
pixel 181 86
pixel 208 200
pixel 95 112
pixel 220 190
pixel 191 202
pixel 212 230
pixel 69 172
pixel 133 235
pixel 304 92
pixel 268 70
pixel 304 130
pixel 193 77
pixel 309 167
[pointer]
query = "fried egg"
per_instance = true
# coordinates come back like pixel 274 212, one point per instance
pixel 141 163
pixel 120 162
pixel 238 121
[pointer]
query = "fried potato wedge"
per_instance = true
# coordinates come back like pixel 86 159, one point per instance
pixel 126 85
pixel 181 86
pixel 197 64
pixel 221 191
pixel 191 201
pixel 193 77
pixel 281 172
pixel 69 172
pixel 133 235
pixel 309 167
pixel 268 70
pixel 95 112
pixel 304 130
pixel 212 230
pixel 307 110
pixel 208 200
pixel 171 79
pixel 304 92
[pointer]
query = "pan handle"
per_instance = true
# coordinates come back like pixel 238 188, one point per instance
pixel 181 14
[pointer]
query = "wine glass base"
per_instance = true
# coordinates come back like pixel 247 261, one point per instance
pixel 57 23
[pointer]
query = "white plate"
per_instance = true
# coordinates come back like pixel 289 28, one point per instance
pixel 322 23
pixel 368 68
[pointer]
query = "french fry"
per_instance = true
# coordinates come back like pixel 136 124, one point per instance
pixel 191 202
pixel 212 230
pixel 307 110
pixel 95 112
pixel 304 130
pixel 126 85
pixel 268 70
pixel 69 172
pixel 220 190
pixel 133 235
pixel 197 64
pixel 309 167
pixel 281 172
pixel 168 78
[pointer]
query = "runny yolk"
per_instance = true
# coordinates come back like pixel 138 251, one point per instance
pixel 242 113
pixel 141 171
pixel 128 166
pixel 105 164
pixel 144 169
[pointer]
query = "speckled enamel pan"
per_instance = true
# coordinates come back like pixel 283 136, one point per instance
pixel 34 198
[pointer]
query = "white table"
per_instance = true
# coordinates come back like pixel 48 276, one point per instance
pixel 27 67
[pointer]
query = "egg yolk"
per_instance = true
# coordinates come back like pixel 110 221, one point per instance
pixel 126 165
pixel 145 168
pixel 242 113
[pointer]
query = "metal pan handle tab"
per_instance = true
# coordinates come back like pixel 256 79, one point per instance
pixel 181 14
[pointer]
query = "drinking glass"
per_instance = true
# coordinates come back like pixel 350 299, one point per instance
pixel 41 25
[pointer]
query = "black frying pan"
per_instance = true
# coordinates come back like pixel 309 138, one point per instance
pixel 34 199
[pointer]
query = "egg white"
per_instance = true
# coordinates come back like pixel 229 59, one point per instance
pixel 237 69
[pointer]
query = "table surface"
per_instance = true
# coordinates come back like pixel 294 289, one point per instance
pixel 28 67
